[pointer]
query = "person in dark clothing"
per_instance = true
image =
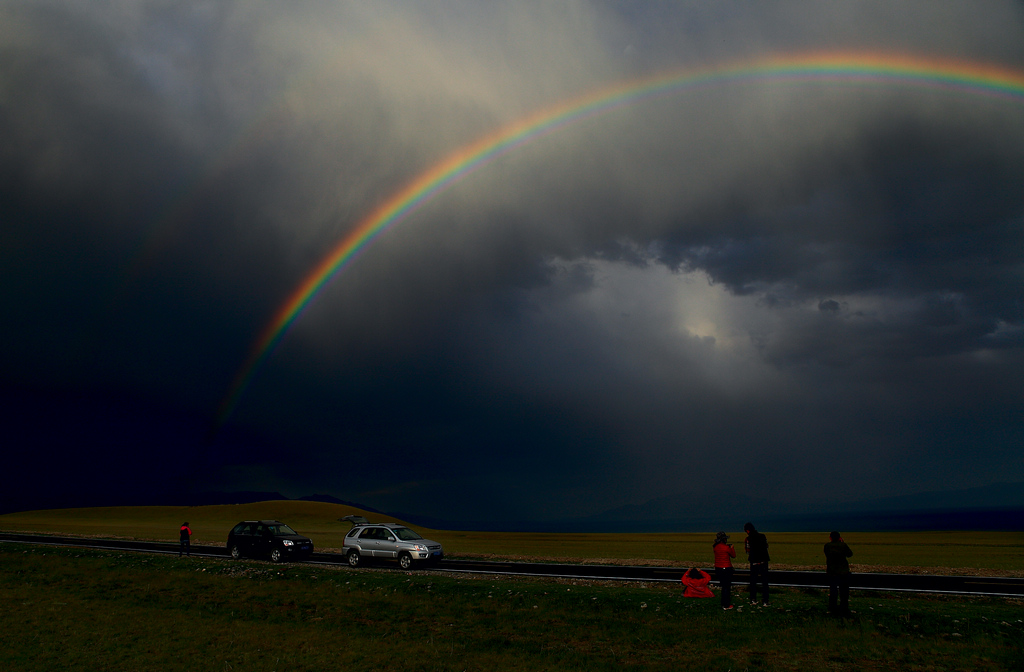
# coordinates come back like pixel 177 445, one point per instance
pixel 757 553
pixel 184 539
pixel 723 567
pixel 837 568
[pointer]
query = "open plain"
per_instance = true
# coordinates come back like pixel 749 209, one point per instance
pixel 987 553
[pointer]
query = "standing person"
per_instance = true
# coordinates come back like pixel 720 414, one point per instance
pixel 723 567
pixel 696 582
pixel 757 553
pixel 837 567
pixel 184 539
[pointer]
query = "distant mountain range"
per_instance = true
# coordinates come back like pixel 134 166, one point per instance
pixel 211 498
pixel 999 495
pixel 995 507
pixel 330 499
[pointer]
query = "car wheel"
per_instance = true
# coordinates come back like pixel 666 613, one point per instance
pixel 404 560
pixel 236 552
pixel 353 558
pixel 275 555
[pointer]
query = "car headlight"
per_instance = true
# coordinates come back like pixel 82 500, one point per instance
pixel 419 547
pixel 287 542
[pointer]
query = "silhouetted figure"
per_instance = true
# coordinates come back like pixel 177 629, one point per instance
pixel 696 582
pixel 184 539
pixel 723 567
pixel 838 570
pixel 756 546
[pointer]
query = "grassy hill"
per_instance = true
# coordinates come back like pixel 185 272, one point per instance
pixel 210 524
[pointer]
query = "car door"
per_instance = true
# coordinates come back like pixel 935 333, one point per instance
pixel 387 547
pixel 244 539
pixel 261 540
pixel 368 541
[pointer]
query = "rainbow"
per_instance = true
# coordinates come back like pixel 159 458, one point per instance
pixel 977 79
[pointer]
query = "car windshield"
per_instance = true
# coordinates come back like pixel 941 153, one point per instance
pixel 405 534
pixel 280 530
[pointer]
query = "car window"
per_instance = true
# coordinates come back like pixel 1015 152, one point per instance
pixel 259 530
pixel 279 530
pixel 405 534
pixel 368 533
pixel 238 529
pixel 387 536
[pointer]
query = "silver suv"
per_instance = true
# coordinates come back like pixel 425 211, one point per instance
pixel 390 541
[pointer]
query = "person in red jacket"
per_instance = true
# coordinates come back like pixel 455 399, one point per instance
pixel 723 567
pixel 184 539
pixel 696 582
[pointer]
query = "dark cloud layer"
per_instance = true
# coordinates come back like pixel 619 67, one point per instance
pixel 808 294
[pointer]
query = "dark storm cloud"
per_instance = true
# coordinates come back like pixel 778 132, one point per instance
pixel 818 286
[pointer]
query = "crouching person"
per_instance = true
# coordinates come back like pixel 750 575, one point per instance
pixel 696 582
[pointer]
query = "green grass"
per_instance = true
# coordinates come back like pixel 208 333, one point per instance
pixel 1000 551
pixel 79 609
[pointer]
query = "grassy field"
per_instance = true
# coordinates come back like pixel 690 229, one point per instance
pixel 985 552
pixel 79 609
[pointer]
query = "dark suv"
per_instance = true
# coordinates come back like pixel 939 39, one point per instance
pixel 388 540
pixel 268 539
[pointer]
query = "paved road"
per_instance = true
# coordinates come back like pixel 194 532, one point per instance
pixel 910 583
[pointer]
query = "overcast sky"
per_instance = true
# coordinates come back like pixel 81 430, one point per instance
pixel 803 294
